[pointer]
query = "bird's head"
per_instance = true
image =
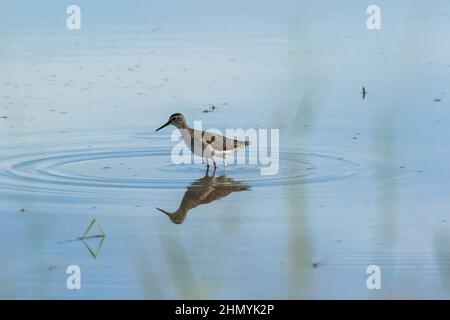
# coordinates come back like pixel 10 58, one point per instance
pixel 177 119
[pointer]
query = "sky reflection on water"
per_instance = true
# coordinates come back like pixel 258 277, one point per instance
pixel 361 182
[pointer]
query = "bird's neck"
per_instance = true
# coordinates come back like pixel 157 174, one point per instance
pixel 185 131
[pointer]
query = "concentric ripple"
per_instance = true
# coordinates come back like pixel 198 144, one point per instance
pixel 117 166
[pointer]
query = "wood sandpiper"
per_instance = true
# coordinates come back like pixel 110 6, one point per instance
pixel 202 143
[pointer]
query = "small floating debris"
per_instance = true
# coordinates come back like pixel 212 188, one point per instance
pixel 211 109
pixel 318 263
pixel 437 100
pixel 4 117
pixel 22 210
pixel 364 92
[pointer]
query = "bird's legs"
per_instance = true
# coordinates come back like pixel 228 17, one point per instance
pixel 207 165
pixel 225 162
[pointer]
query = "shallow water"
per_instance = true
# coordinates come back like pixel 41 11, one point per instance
pixel 360 182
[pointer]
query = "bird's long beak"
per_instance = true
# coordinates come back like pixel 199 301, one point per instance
pixel 169 214
pixel 173 216
pixel 165 125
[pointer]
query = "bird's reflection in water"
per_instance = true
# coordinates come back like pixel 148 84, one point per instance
pixel 205 190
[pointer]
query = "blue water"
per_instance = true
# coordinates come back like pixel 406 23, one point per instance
pixel 360 182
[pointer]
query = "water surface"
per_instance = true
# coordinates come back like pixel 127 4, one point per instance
pixel 360 182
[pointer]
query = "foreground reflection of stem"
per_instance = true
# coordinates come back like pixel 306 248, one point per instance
pixel 85 237
pixel 97 251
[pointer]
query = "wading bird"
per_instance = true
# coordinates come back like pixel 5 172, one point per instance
pixel 202 143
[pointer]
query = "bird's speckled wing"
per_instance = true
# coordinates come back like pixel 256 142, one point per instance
pixel 221 143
